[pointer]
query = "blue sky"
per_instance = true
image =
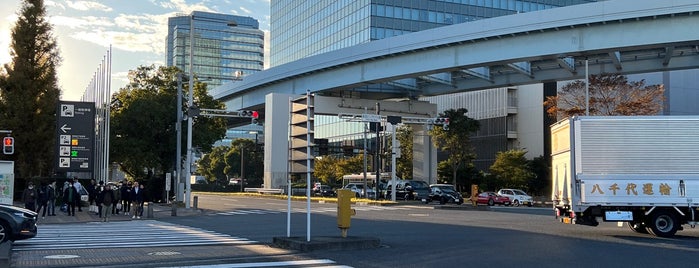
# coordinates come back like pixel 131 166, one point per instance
pixel 136 30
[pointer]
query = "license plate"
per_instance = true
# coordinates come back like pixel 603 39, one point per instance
pixel 424 200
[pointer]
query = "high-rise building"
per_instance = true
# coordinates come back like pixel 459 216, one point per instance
pixel 226 47
pixel 301 29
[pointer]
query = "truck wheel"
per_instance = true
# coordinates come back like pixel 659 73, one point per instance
pixel 637 227
pixel 662 224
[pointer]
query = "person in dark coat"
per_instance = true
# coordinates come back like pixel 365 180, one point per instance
pixel 71 197
pixel 106 199
pixel 29 197
pixel 43 199
pixel 126 189
pixel 52 198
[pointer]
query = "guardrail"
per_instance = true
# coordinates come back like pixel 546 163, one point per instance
pixel 265 190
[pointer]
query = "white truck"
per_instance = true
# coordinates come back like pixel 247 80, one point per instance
pixel 642 170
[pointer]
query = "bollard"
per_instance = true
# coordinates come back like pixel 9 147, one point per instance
pixel 149 214
pixel 196 202
pixel 174 208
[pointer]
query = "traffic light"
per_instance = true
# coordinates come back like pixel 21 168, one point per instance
pixel 442 121
pixel 246 113
pixel 8 145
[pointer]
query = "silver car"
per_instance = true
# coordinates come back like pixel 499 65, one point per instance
pixel 518 197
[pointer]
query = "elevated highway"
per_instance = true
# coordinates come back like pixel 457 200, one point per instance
pixel 618 36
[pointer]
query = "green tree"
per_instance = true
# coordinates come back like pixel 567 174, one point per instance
pixel 540 183
pixel 512 169
pixel 330 169
pixel 213 165
pixel 609 94
pixel 404 164
pixel 252 159
pixel 456 140
pixel 143 117
pixel 29 91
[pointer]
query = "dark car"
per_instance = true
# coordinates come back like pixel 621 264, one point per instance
pixel 16 223
pixel 445 193
pixel 324 191
pixel 409 190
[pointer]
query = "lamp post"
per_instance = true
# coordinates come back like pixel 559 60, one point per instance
pixel 190 103
pixel 178 128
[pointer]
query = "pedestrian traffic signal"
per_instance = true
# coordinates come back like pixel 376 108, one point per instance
pixel 8 145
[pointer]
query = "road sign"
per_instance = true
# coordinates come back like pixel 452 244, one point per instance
pixel 75 131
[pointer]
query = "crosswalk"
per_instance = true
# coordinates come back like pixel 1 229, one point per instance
pixel 123 234
pixel 303 210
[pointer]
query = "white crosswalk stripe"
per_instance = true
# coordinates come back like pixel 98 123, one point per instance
pixel 303 210
pixel 150 233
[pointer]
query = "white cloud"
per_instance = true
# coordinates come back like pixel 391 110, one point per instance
pixel 54 4
pixel 87 5
pixel 247 11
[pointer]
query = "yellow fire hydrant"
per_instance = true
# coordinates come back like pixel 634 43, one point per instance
pixel 344 210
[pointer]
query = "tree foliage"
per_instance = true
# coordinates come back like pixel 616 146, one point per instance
pixel 330 169
pixel 404 164
pixel 143 121
pixel 29 92
pixel 456 140
pixel 512 169
pixel 223 162
pixel 609 94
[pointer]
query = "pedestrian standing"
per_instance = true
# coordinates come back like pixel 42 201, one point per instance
pixel 117 199
pixel 126 189
pixel 43 199
pixel 29 197
pixel 106 198
pixel 71 197
pixel 98 202
pixel 78 187
pixel 91 189
pixel 136 200
pixel 52 198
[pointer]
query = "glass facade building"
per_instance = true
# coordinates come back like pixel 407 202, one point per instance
pixel 301 29
pixel 226 47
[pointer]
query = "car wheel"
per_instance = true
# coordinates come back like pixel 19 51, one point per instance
pixel 516 203
pixel 491 202
pixel 4 232
pixel 356 195
pixel 442 200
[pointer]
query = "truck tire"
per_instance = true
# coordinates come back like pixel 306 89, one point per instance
pixel 637 227
pixel 662 223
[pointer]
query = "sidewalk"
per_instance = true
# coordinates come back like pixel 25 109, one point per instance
pixel 159 211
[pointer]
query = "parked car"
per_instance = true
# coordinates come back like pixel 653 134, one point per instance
pixel 517 197
pixel 324 191
pixel 358 189
pixel 492 198
pixel 445 193
pixel 16 223
pixel 409 190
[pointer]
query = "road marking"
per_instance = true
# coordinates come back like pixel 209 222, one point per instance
pixel 314 263
pixel 150 233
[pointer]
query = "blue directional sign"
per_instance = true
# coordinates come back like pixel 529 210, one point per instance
pixel 75 131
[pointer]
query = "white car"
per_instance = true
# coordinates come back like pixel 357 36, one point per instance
pixel 517 197
pixel 358 189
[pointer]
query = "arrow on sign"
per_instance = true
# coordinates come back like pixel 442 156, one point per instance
pixel 65 128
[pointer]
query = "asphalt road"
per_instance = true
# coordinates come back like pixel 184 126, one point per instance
pixel 418 235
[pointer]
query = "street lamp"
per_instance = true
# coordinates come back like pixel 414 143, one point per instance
pixel 190 103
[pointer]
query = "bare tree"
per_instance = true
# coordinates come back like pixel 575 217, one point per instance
pixel 610 94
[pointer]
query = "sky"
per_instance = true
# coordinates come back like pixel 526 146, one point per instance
pixel 135 29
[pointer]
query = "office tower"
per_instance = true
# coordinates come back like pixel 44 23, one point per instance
pixel 226 47
pixel 301 29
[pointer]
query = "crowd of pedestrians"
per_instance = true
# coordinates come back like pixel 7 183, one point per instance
pixel 104 200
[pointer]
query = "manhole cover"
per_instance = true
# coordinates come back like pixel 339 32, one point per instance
pixel 164 253
pixel 61 257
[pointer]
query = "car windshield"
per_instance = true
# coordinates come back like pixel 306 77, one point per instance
pixel 519 192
